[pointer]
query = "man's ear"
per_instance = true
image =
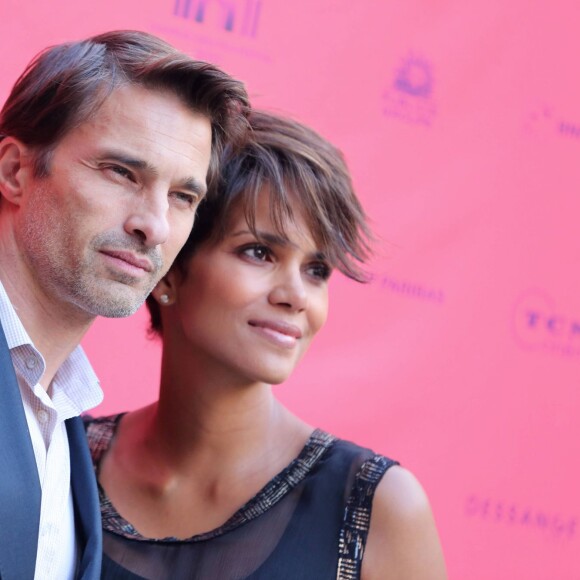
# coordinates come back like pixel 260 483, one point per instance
pixel 15 163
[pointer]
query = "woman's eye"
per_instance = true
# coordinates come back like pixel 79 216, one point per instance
pixel 257 252
pixel 320 271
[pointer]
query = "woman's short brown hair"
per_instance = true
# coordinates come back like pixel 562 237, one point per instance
pixel 297 165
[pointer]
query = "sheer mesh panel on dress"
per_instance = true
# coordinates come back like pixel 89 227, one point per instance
pixel 289 530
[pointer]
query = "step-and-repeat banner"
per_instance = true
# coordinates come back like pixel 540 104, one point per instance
pixel 460 122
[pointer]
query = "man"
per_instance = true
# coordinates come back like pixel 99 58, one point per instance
pixel 107 146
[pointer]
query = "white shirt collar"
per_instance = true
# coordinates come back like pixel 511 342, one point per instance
pixel 75 387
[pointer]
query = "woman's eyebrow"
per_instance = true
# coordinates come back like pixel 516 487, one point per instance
pixel 278 240
pixel 269 237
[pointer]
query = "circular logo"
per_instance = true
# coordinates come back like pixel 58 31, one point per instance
pixel 414 78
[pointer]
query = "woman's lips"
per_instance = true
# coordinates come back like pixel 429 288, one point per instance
pixel 280 333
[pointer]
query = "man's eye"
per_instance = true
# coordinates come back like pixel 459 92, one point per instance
pixel 185 198
pixel 121 171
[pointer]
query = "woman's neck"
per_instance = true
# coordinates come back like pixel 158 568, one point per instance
pixel 208 419
pixel 204 448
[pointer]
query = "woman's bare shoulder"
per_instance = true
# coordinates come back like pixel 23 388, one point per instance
pixel 403 542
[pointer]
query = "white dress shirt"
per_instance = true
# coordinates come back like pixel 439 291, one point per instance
pixel 74 389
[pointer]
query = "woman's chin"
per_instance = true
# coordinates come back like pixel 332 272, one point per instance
pixel 274 377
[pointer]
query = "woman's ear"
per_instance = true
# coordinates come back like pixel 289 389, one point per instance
pixel 165 292
pixel 15 162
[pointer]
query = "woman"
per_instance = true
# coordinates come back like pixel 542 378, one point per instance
pixel 217 480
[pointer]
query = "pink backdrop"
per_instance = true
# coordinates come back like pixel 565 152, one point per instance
pixel 461 124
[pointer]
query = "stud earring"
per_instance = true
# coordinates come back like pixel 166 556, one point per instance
pixel 164 299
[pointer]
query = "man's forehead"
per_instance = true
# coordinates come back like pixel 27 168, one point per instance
pixel 146 146
pixel 138 104
pixel 150 114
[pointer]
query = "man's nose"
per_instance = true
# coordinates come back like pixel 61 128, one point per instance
pixel 148 219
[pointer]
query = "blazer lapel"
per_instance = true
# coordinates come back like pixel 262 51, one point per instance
pixel 19 484
pixel 86 502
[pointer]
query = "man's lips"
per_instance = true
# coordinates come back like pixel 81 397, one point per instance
pixel 130 259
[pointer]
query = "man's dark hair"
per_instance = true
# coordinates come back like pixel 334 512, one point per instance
pixel 65 84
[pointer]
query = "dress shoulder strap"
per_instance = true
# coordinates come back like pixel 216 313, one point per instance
pixel 100 431
pixel 357 516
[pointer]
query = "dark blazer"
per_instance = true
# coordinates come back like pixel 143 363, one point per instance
pixel 20 487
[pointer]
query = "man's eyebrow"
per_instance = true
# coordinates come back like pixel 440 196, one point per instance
pixel 191 184
pixel 194 186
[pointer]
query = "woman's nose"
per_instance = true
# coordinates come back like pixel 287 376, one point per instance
pixel 290 291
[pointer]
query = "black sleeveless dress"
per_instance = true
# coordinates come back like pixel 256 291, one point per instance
pixel 310 522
